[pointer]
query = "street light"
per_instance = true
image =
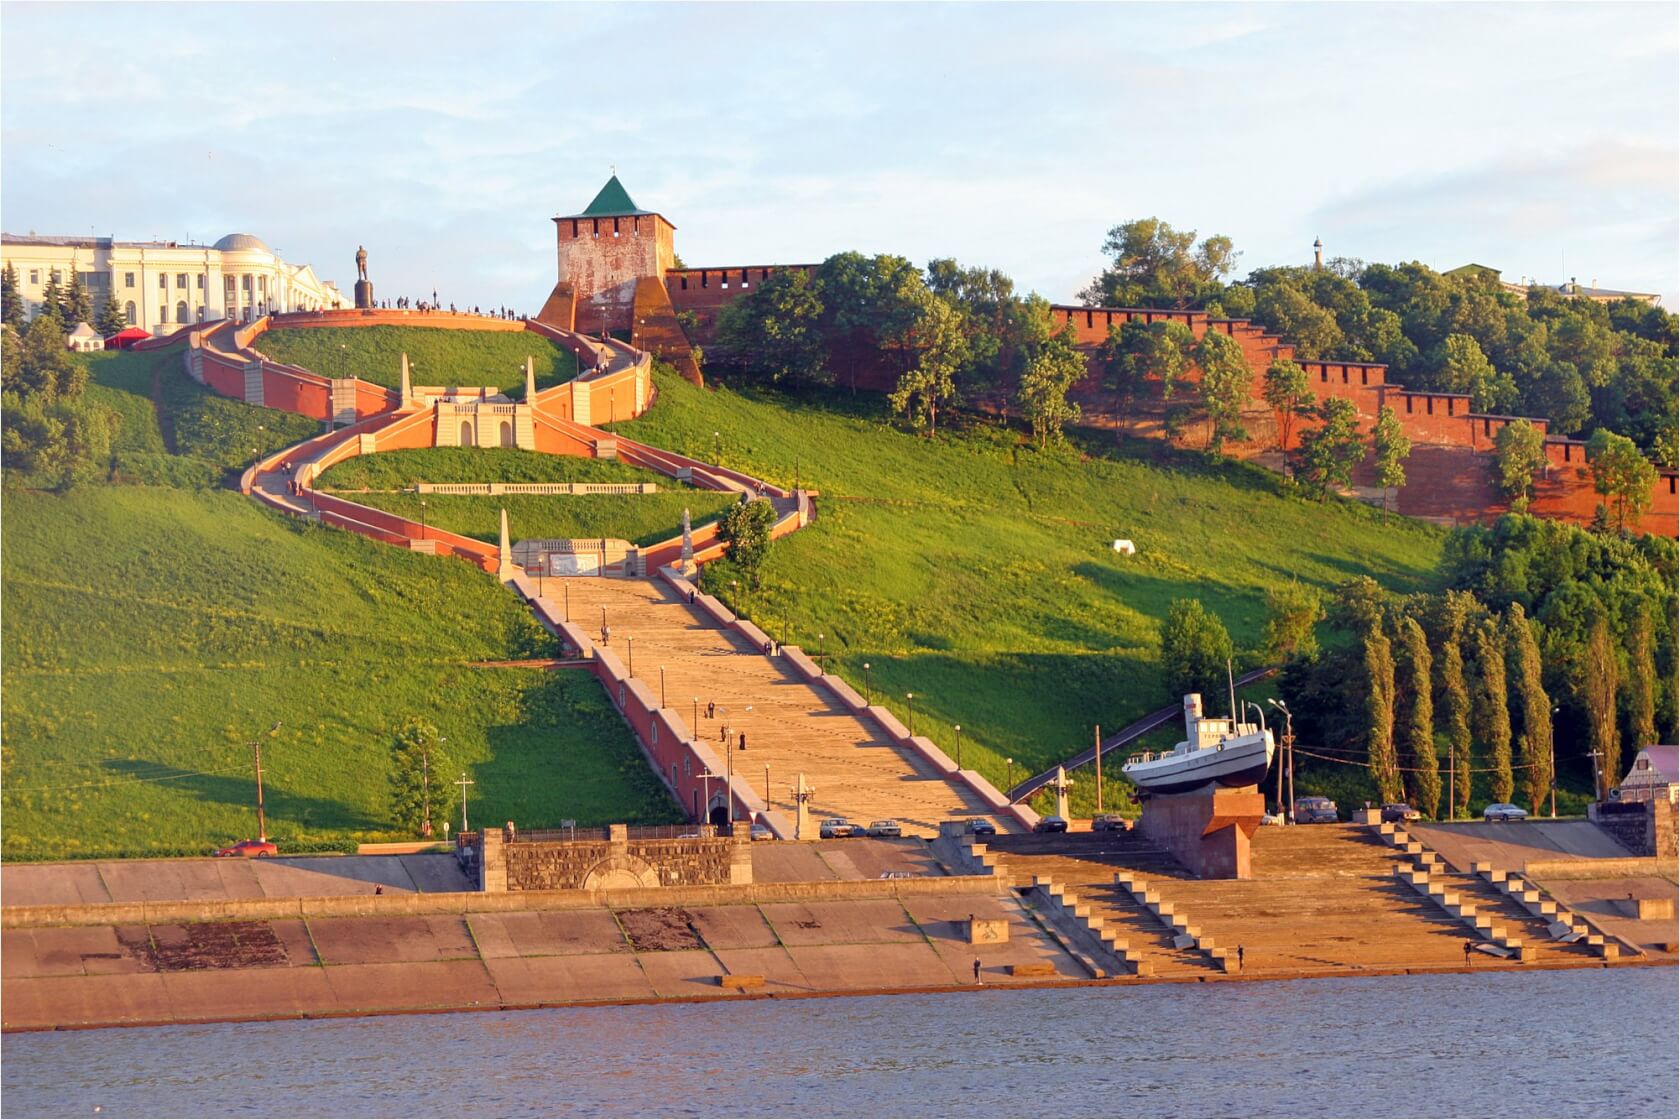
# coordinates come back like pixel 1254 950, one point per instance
pixel 630 649
pixel 910 700
pixel 957 727
pixel 662 686
pixel 819 650
pixel 1288 755
pixel 567 588
pixel 422 519
pixel 866 700
pixel 1555 711
pixel 696 724
pixel 1009 782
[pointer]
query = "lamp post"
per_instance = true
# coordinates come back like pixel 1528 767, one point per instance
pixel 1288 758
pixel 696 724
pixel 463 781
pixel 630 649
pixel 662 686
pixel 1554 764
pixel 957 727
pixel 910 701
pixel 1009 782
pixel 866 699
pixel 717 449
pixel 767 787
pixel 256 757
pixel 819 650
pixel 422 519
pixel 566 589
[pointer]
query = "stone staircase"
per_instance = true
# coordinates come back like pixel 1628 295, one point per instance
pixel 1561 923
pixel 253 383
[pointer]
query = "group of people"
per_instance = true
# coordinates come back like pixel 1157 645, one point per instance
pixel 427 307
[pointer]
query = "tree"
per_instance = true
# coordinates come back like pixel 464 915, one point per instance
pixel 111 317
pixel 937 339
pixel 1330 451
pixel 1285 308
pixel 869 304
pixel 1226 387
pixel 1418 731
pixel 416 765
pixel 774 333
pixel 1044 386
pixel 1598 694
pixel 1155 265
pixel 1379 715
pixel 78 305
pixel 1391 448
pixel 1292 610
pixel 1455 699
pixel 11 300
pixel 1535 752
pixel 51 300
pixel 1461 367
pixel 1290 394
pixel 1622 474
pixel 1489 711
pixel 44 368
pixel 1520 453
pixel 745 528
pixel 1639 684
pixel 1195 649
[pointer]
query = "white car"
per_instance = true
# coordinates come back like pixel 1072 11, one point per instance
pixel 1504 811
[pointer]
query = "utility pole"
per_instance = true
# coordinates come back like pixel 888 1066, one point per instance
pixel 256 754
pixel 426 790
pixel 464 782
pixel 1097 735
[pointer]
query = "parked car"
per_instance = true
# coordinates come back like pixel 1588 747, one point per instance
pixel 1504 811
pixel 1315 810
pixel 762 832
pixel 1050 824
pixel 250 849
pixel 884 828
pixel 1271 818
pixel 980 826
pixel 835 828
pixel 1109 822
pixel 1399 812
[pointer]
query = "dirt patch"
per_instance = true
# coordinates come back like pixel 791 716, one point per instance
pixel 661 930
pixel 205 945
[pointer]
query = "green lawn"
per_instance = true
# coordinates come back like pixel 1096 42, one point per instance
pixel 436 356
pixel 151 631
pixel 976 572
pixel 641 519
pixel 397 470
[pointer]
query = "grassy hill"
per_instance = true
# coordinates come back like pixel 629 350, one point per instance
pixel 436 356
pixel 151 631
pixel 976 572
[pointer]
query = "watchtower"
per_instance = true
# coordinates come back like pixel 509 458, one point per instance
pixel 604 251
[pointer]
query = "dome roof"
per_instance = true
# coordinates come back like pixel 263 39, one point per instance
pixel 242 241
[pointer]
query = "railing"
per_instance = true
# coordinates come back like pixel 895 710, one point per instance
pixel 597 833
pixel 572 488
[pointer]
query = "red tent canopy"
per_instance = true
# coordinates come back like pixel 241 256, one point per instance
pixel 125 338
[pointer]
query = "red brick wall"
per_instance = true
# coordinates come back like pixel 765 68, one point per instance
pixel 602 258
pixel 706 291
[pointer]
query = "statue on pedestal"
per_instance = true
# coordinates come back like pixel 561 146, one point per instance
pixel 361 263
pixel 364 286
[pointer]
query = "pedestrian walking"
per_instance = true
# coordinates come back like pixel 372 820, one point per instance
pixel 1240 965
pixel 743 740
pixel 1469 947
pixel 977 979
pixel 711 710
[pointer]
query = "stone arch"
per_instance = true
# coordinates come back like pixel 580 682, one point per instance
pixel 181 311
pixel 469 438
pixel 621 871
pixel 506 433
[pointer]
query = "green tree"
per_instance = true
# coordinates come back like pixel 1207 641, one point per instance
pixel 1639 683
pixel 1379 716
pixel 1310 328
pixel 1154 265
pixel 1455 697
pixel 1461 367
pixel 1535 754
pixel 870 305
pixel 52 297
pixel 1292 610
pixel 1391 448
pixel 937 340
pixel 1195 649
pixel 1226 387
pixel 1330 451
pixel 1418 730
pixel 1622 474
pixel 44 368
pixel 417 764
pixel 1490 713
pixel 1290 394
pixel 774 333
pixel 111 318
pixel 11 299
pixel 745 528
pixel 1598 695
pixel 1521 452
pixel 1050 373
pixel 78 305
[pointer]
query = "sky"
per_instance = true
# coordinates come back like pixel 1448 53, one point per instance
pixel 1539 139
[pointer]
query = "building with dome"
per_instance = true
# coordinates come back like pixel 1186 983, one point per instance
pixel 163 285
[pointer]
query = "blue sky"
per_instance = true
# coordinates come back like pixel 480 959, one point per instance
pixel 1539 139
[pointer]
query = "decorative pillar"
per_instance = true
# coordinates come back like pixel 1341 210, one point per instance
pixel 407 389
pixel 504 567
pixel 530 380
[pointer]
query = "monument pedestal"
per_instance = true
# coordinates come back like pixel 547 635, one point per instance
pixel 364 294
pixel 1208 831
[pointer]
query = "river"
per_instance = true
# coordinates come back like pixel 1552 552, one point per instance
pixel 1567 1043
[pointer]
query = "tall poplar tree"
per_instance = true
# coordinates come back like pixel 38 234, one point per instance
pixel 1419 728
pixel 1639 688
pixel 1455 699
pixel 1535 754
pixel 1598 693
pixel 1379 714
pixel 1490 713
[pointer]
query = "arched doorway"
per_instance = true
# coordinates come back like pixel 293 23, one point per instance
pixel 181 312
pixel 128 312
pixel 507 433
pixel 467 439
pixel 719 817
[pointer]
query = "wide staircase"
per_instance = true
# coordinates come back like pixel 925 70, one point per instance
pixel 1086 863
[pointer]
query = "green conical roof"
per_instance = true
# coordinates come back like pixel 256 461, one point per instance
pixel 613 201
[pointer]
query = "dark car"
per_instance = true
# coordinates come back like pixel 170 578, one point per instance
pixel 1315 810
pixel 1399 813
pixel 1109 822
pixel 250 849
pixel 1050 824
pixel 980 826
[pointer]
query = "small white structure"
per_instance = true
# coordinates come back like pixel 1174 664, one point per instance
pixel 84 339
pixel 1654 776
pixel 1125 548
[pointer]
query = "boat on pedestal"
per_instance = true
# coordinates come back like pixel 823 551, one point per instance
pixel 1224 752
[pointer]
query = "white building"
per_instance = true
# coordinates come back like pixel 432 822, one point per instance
pixel 84 339
pixel 161 285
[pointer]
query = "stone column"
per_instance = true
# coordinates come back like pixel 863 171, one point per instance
pixel 492 861
pixel 740 857
pixel 504 567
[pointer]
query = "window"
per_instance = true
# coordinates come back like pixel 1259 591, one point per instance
pixel 128 279
pixel 262 285
pixel 128 313
pixel 230 285
pixel 163 281
pixel 201 281
pixel 180 280
pixel 245 281
pixel 34 276
pixel 181 312
pixel 57 276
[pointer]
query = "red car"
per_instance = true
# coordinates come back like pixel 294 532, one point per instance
pixel 251 849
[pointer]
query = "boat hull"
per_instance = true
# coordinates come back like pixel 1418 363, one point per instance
pixel 1238 764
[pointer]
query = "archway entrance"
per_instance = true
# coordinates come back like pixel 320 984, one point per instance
pixel 719 817
pixel 467 439
pixel 507 433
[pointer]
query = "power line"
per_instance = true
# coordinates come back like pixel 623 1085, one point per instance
pixel 1413 769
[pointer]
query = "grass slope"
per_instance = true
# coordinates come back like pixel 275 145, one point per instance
pixel 150 632
pixel 436 356
pixel 397 470
pixel 641 519
pixel 976 572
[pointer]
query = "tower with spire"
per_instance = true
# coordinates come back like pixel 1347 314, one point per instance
pixel 603 252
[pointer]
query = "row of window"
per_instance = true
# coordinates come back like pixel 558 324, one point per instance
pixel 181 280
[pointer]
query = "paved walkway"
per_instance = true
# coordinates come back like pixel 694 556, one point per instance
pixel 791 727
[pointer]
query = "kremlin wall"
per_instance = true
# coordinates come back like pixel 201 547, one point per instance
pixel 616 268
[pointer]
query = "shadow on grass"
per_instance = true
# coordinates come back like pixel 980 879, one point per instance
pixel 283 808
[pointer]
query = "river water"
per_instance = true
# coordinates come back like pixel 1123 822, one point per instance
pixel 1571 1043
